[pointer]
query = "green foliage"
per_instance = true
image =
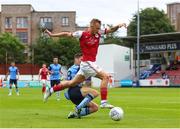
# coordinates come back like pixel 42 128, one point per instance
pixel 63 48
pixel 152 21
pixel 112 35
pixel 12 47
pixel 116 40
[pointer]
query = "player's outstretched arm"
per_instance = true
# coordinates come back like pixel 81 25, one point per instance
pixel 61 34
pixel 115 28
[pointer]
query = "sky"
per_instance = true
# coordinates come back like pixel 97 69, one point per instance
pixel 108 11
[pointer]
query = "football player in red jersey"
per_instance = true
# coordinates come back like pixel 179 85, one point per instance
pixel 89 43
pixel 43 76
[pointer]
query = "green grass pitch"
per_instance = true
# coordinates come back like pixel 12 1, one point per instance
pixel 143 107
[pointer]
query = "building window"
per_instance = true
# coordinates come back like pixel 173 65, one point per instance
pixel 45 20
pixel 8 22
pixel 65 21
pixel 23 36
pixel 22 22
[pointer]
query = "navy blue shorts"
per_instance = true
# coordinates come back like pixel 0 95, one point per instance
pixel 13 81
pixel 75 95
pixel 54 82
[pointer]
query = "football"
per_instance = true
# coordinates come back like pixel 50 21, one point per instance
pixel 116 114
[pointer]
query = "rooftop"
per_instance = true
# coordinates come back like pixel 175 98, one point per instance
pixel 33 10
pixel 173 3
pixel 173 36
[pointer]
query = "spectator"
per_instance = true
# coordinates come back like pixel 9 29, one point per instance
pixel 164 75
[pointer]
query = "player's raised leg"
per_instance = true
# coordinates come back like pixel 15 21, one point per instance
pixel 63 85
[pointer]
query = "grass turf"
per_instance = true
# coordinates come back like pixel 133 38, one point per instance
pixel 143 107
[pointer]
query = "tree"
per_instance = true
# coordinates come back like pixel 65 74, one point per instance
pixel 63 48
pixel 112 35
pixel 152 21
pixel 69 47
pixel 114 38
pixel 11 48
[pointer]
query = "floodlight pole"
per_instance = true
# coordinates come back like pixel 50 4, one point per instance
pixel 138 42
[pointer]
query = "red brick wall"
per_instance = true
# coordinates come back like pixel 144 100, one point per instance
pixel 24 69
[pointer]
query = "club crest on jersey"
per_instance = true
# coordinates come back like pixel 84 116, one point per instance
pixel 96 35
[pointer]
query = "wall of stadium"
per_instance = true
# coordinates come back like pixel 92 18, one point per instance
pixel 116 60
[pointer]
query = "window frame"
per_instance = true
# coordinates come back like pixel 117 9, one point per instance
pixel 22 38
pixel 45 19
pixel 65 21
pixel 22 23
pixel 6 23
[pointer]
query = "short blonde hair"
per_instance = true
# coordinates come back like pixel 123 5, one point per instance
pixel 94 20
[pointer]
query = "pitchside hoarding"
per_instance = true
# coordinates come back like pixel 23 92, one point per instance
pixel 159 46
pixel 154 82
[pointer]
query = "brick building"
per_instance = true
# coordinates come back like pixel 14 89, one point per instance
pixel 173 12
pixel 25 22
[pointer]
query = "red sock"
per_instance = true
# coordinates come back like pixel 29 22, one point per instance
pixel 104 93
pixel 58 88
pixel 43 89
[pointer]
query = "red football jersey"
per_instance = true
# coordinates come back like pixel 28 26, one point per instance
pixel 89 44
pixel 44 73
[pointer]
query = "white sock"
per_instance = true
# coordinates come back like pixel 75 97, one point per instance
pixel 103 101
pixel 10 90
pixel 51 90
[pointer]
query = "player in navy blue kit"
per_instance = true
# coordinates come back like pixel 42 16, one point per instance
pixel 14 76
pixel 55 74
pixel 81 96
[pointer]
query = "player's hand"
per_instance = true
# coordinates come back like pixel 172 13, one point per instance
pixel 48 32
pixel 122 25
pixel 5 79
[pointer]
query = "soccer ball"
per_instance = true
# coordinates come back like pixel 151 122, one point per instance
pixel 116 114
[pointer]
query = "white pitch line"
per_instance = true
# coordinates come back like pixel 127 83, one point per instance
pixel 171 102
pixel 154 108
